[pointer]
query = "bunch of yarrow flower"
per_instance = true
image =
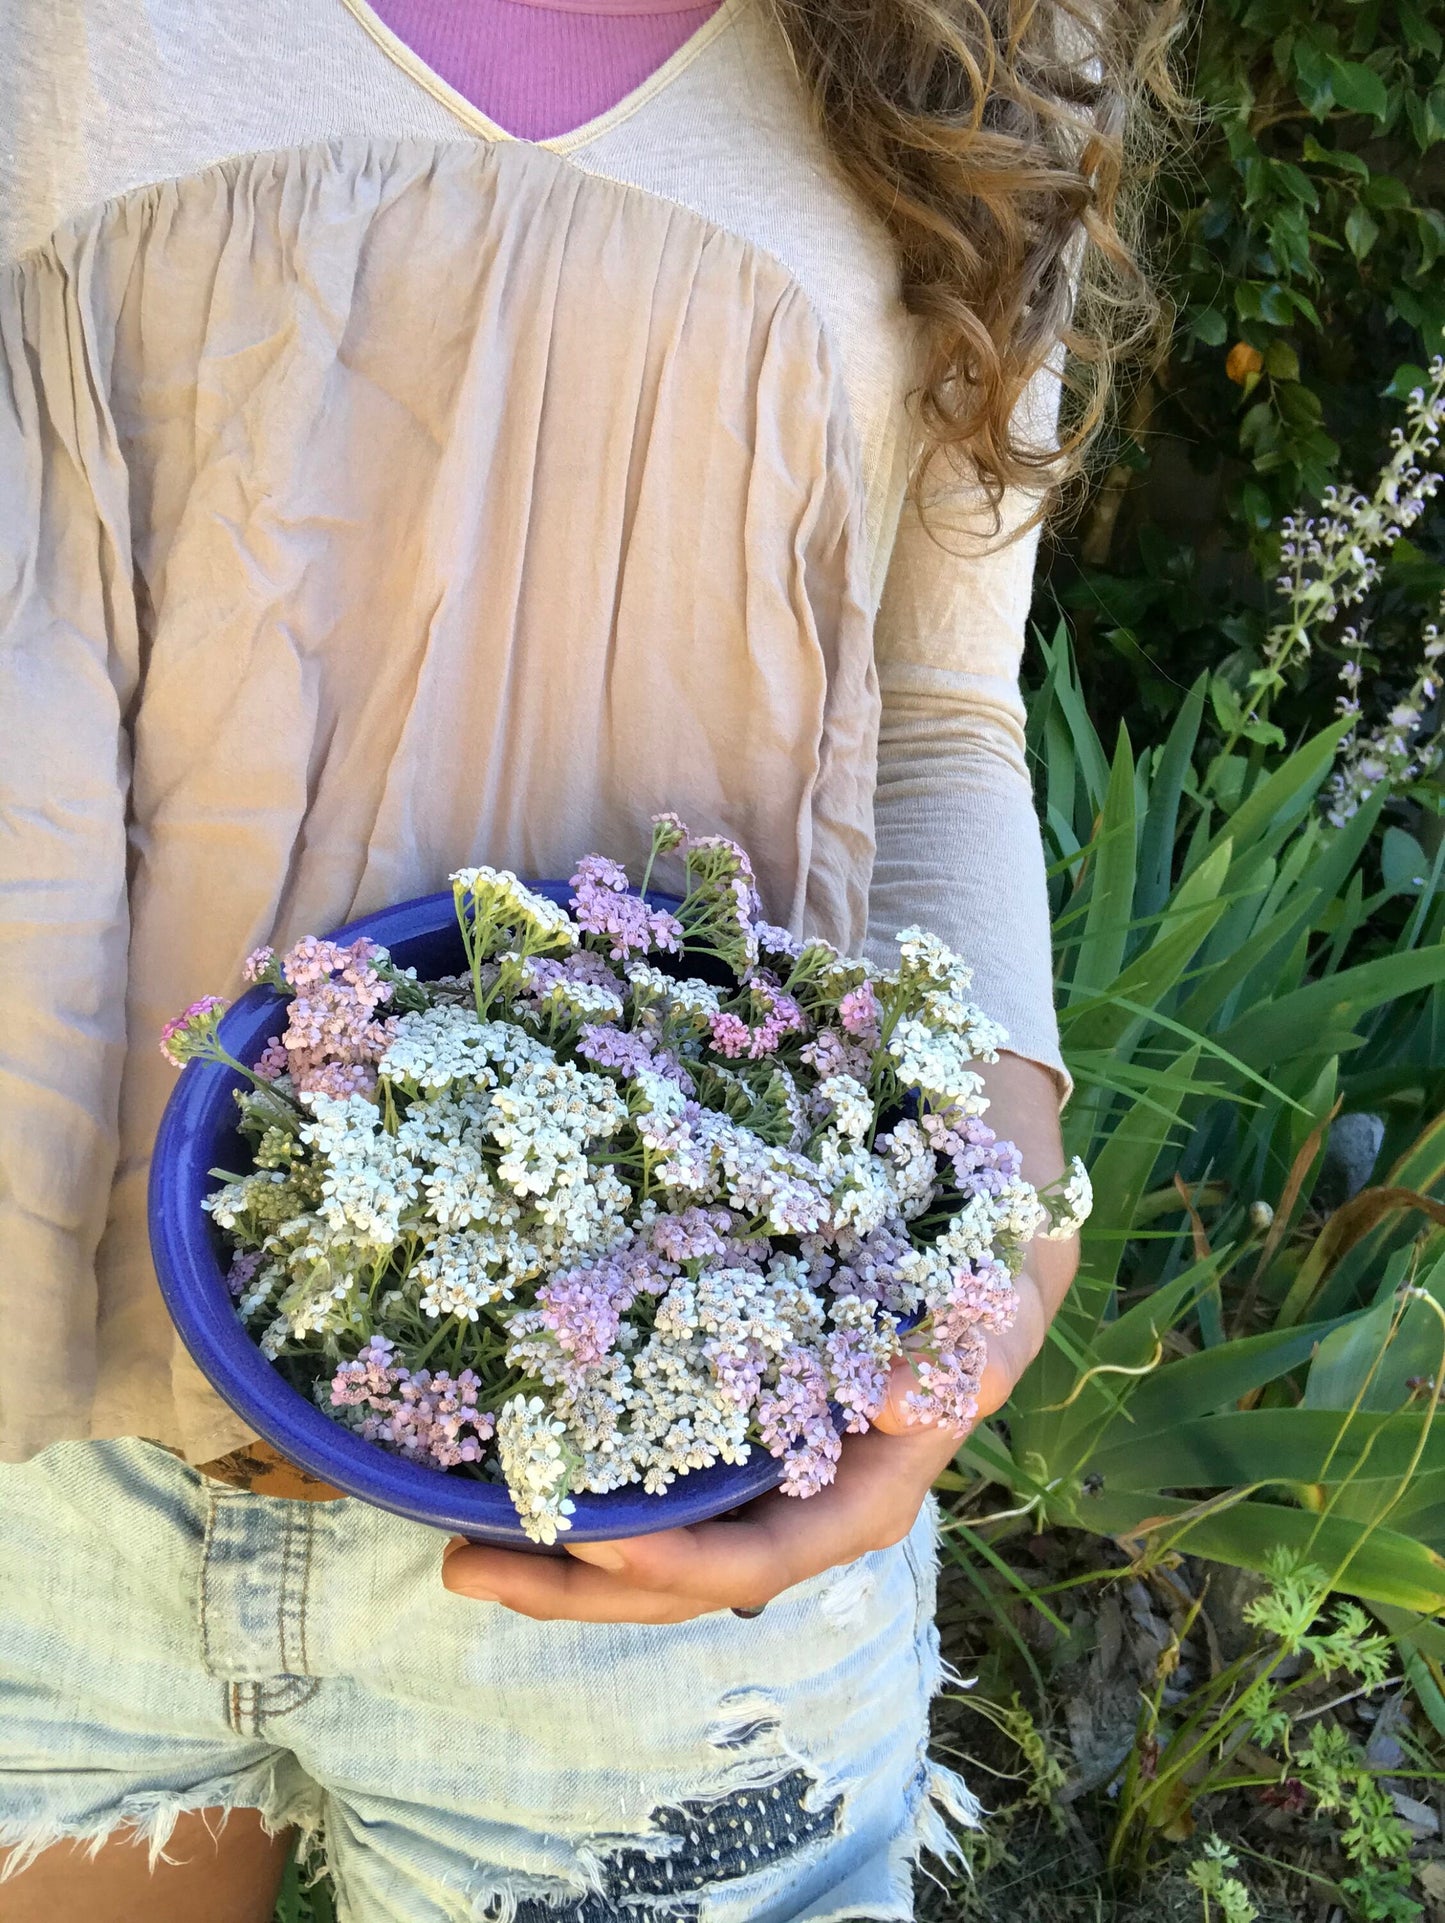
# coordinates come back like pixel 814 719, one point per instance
pixel 637 1192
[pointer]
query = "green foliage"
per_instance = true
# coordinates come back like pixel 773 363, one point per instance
pixel 1332 1770
pixel 1210 1876
pixel 302 1900
pixel 1238 1729
pixel 1301 238
pixel 1227 979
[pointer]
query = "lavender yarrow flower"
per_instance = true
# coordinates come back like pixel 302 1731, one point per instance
pixel 796 1424
pixel 242 1272
pixel 860 1350
pixel 332 1040
pixel 371 1379
pixel 603 906
pixel 312 961
pixel 261 966
pixel 781 1015
pixel 631 1053
pixel 545 971
pixel 583 1309
pixel 669 833
pixel 273 1062
pixel 337 1079
pixel 431 1418
pixel 981 1295
pixel 948 1384
pixel 440 1417
pixel 832 1051
pixel 691 1235
pixel 879 1268
pixel 773 940
pixel 980 1160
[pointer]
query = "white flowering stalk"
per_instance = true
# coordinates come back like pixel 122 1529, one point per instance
pixel 1332 560
pixel 638 1193
pixel 1396 751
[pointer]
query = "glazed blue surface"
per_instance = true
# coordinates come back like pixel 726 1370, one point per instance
pixel 198 1133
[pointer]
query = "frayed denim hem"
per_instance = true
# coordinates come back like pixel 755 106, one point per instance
pixel 148 1819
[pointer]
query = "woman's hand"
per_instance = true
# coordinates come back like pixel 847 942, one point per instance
pixel 743 1561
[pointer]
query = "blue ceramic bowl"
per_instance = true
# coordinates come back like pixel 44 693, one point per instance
pixel 198 1133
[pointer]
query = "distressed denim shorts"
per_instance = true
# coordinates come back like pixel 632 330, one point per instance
pixel 170 1643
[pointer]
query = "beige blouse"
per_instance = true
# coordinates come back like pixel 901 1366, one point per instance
pixel 379 496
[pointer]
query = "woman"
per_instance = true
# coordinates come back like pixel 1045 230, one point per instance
pixel 389 486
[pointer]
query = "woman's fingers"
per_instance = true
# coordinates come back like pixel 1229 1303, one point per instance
pixel 552 1589
pixel 663 1578
pixel 737 1563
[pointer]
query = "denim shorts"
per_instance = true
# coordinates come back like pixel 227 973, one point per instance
pixel 170 1643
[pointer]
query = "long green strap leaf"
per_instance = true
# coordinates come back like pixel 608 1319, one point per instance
pixel 1271 1445
pixel 1377 1564
pixel 1294 1023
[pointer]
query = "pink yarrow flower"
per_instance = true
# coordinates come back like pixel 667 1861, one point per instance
pixel 188 1034
pixel 860 1013
pixel 332 1040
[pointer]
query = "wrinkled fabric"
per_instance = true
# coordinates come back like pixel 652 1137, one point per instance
pixel 453 1760
pixel 372 512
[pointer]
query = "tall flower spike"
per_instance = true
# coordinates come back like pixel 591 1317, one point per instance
pixel 1329 560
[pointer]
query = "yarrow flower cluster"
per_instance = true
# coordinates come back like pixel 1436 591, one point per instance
pixel 640 1190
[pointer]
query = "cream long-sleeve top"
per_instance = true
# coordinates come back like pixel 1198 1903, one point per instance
pixel 380 493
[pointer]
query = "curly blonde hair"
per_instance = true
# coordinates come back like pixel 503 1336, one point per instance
pixel 998 141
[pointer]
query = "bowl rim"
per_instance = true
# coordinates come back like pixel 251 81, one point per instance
pixel 200 1304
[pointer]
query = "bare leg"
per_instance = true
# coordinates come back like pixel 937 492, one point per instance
pixel 217 1874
